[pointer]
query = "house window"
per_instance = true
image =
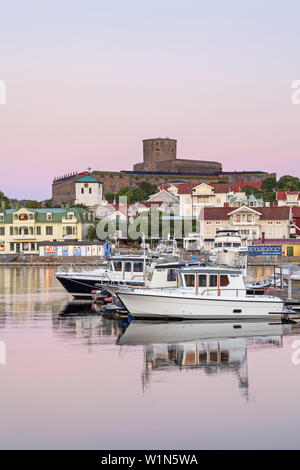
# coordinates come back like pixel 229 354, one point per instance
pixel 12 247
pixel 38 231
pixel 2 217
pixel 2 230
pixel 82 190
pixel 11 230
pixel 32 246
pixel 90 190
pixel 25 246
pixel 49 230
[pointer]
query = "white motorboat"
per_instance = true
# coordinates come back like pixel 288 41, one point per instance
pixel 229 248
pixel 204 292
pixel 126 270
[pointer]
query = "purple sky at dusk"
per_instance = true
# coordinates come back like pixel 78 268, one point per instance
pixel 87 81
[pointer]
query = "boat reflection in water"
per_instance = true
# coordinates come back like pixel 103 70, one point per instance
pixel 215 347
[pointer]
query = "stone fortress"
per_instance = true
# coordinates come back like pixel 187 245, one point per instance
pixel 160 165
pixel 161 155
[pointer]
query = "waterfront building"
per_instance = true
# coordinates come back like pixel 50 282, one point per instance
pixel 22 228
pixel 193 199
pixel 288 198
pixel 72 248
pixel 274 222
pixel 289 247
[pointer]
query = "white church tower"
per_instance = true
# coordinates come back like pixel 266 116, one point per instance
pixel 89 191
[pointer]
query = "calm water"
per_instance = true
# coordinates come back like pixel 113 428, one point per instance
pixel 74 380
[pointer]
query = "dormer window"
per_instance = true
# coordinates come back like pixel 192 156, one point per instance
pixel 49 216
pixel 1 217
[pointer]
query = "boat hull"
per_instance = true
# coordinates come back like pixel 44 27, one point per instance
pixel 163 306
pixel 83 287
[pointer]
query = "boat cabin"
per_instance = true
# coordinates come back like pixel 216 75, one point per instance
pixel 128 266
pixel 205 281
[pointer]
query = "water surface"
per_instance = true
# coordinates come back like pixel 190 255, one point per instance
pixel 74 380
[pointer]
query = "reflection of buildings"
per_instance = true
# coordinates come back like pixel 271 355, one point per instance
pixel 29 290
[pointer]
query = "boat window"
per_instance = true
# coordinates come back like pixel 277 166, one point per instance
pixel 224 281
pixel 213 280
pixel 236 245
pixel 228 245
pixel 127 267
pixel 202 280
pixel 190 280
pixel 171 275
pixel 118 265
pixel 218 245
pixel 138 267
pixel 180 282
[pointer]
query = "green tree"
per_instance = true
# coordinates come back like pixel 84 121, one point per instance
pixel 92 232
pixel 31 204
pixel 269 184
pixel 109 196
pixel 288 183
pixel 4 199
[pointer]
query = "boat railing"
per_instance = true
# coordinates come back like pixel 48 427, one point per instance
pixel 75 268
pixel 250 292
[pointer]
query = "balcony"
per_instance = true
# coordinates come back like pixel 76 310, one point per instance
pixel 72 220
pixel 22 237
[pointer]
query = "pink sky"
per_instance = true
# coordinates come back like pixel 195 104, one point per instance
pixel 87 82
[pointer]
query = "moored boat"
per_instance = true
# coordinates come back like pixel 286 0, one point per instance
pixel 204 292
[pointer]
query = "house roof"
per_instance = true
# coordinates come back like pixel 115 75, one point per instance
pixel 185 188
pixel 220 187
pixel 237 187
pixel 282 195
pixel 296 212
pixel 88 179
pixel 267 213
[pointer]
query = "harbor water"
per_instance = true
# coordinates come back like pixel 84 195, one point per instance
pixel 71 379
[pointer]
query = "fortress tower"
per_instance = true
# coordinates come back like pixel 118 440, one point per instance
pixel 161 155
